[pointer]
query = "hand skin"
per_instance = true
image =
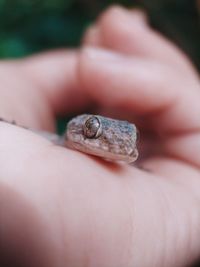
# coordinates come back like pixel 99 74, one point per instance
pixel 61 208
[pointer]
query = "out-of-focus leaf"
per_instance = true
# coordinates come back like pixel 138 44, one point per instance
pixel 28 26
pixel 12 47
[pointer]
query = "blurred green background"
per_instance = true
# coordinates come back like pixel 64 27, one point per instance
pixel 29 26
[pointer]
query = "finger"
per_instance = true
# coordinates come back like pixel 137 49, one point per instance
pixel 62 212
pixel 128 31
pixel 55 74
pixel 186 147
pixel 92 36
pixel 139 15
pixel 20 101
pixel 92 209
pixel 144 86
pixel 36 89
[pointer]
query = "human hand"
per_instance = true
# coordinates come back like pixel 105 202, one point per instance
pixel 134 68
pixel 60 207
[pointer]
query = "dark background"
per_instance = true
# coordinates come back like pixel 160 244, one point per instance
pixel 29 26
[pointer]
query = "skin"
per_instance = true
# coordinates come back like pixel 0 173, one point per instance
pixel 59 207
pixel 114 140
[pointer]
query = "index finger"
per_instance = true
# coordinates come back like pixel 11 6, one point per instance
pixel 165 96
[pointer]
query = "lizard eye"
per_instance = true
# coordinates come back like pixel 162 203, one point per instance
pixel 92 127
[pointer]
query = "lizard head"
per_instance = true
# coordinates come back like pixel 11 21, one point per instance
pixel 111 139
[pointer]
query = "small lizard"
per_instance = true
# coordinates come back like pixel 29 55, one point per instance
pixel 114 140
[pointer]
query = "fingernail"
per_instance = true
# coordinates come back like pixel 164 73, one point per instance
pixel 139 15
pixel 92 36
pixel 127 17
pixel 92 30
pixel 102 54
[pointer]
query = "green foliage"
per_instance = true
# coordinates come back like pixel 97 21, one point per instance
pixel 28 26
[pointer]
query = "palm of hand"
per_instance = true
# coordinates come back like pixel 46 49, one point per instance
pixel 71 208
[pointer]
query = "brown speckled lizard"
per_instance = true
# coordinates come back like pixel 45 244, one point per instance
pixel 114 140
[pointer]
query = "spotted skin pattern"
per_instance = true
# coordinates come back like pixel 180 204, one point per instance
pixel 117 141
pixel 114 140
